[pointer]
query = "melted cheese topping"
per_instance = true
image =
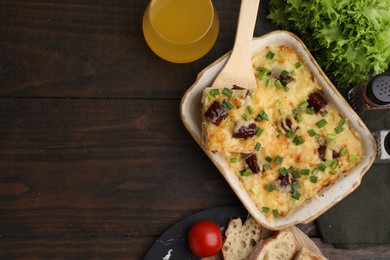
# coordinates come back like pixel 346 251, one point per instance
pixel 281 187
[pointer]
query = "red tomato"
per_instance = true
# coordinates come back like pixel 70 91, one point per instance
pixel 205 238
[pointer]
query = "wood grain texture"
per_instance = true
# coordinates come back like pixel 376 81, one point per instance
pixel 94 160
pixel 95 49
pixel 74 248
pixel 91 161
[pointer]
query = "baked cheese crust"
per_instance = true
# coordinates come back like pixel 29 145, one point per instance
pixel 284 140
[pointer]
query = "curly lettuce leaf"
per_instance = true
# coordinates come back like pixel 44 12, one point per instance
pixel 349 39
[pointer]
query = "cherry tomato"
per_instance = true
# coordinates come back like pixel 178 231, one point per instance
pixel 205 238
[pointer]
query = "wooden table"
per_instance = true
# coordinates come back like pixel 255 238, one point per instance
pixel 94 161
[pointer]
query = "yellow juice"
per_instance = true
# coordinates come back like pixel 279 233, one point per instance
pixel 183 21
pixel 180 30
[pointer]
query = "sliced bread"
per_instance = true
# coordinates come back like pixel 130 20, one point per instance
pixel 241 238
pixel 281 246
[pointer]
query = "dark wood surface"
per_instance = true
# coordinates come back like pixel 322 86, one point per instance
pixel 94 160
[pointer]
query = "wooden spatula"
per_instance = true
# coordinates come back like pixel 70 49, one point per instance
pixel 238 69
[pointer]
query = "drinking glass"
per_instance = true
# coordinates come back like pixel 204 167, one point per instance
pixel 180 31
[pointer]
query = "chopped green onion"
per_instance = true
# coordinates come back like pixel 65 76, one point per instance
pixel 291 169
pixel 328 162
pixel 296 186
pixel 296 174
pixel 321 123
pixel 324 113
pixel 284 73
pixel 259 131
pixel 257 146
pixel 338 129
pixel 290 134
pixel 270 187
pixel 214 92
pixel 276 213
pixel 283 171
pixel 311 132
pixel 268 159
pixel 253 95
pixel 233 160
pixel 250 110
pixel 286 89
pixel 298 118
pixel 265 209
pixel 322 167
pixel 344 150
pixel 245 172
pixel 262 116
pixel 211 96
pixel 303 105
pixel 296 195
pixel 278 159
pixel 270 55
pixel 263 74
pixel 278 102
pixel 315 171
pixel 227 92
pixel 226 104
pixel 313 179
pixel 266 166
pixel 333 172
pixel 310 111
pixel 280 110
pixel 296 111
pixel 331 136
pixel 278 84
pixel 298 140
pixel 261 69
pixel 334 164
pixel 245 117
pixel 305 171
pixel 341 123
pixel 297 65
pixel 353 158
pixel 255 190
pixel 269 82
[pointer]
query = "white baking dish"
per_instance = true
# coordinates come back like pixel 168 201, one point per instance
pixel 191 108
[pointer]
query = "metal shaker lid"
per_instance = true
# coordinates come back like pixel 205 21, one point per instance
pixel 378 89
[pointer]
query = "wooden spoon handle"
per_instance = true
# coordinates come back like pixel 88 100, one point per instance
pixel 238 69
pixel 245 29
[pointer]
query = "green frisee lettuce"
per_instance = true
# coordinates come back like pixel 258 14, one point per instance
pixel 350 39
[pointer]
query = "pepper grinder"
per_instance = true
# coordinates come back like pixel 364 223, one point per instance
pixel 382 139
pixel 373 97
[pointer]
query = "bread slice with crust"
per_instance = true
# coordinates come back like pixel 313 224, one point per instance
pixel 281 246
pixel 242 238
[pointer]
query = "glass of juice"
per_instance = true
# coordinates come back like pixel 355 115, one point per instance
pixel 180 31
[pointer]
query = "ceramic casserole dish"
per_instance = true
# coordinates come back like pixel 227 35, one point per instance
pixel 191 115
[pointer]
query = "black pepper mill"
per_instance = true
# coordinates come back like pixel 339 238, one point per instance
pixel 373 97
pixel 382 139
